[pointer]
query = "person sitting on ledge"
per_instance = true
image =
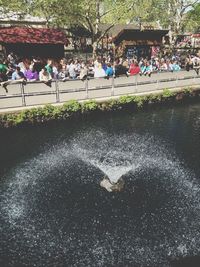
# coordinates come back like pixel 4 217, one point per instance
pixel 17 77
pixel 112 187
pixel 196 66
pixel 109 71
pixel 83 72
pixel 134 69
pixel 146 69
pixel 45 77
pixel 31 74
pixel 3 74
pixel 175 66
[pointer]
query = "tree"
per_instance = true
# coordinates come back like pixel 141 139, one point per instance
pixel 172 14
pixel 193 18
pixel 9 8
pixel 89 14
pixel 92 14
pixel 58 13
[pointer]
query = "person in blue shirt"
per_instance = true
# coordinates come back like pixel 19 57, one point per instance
pixel 109 71
pixel 176 67
pixel 18 75
pixel 142 68
pixel 146 69
pixel 104 64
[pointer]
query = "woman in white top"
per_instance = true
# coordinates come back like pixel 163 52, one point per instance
pixel 45 77
pixel 99 72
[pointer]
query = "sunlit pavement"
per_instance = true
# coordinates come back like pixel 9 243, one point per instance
pixel 34 94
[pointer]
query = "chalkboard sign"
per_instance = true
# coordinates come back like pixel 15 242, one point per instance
pixel 131 52
pixel 138 51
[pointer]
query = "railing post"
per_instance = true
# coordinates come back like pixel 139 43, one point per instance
pixel 136 83
pixel 86 87
pixel 113 86
pixel 57 92
pixel 157 82
pixel 23 95
pixel 176 79
pixel 194 79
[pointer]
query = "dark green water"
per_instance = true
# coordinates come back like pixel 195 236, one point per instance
pixel 54 213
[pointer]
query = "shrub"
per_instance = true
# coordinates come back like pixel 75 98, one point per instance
pixel 114 104
pixel 91 105
pixel 19 119
pixel 33 115
pixel 48 111
pixel 126 100
pixel 3 118
pixel 71 106
pixel 139 100
pixel 105 106
pixel 57 113
pixel 10 119
pixel 154 98
pixel 39 114
pixel 187 91
pixel 167 93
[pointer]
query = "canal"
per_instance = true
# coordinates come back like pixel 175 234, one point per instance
pixel 54 213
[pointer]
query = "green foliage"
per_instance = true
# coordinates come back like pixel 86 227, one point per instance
pixel 114 104
pixel 26 115
pixel 176 15
pixel 57 114
pixel 193 18
pixel 139 101
pixel 89 14
pixel 111 105
pixel 154 98
pixel 48 109
pixel 90 105
pixel 126 99
pixel 72 106
pixel 187 90
pixel 13 5
pixel 173 14
pixel 11 8
pixel 167 93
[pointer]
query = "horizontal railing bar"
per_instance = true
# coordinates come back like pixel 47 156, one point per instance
pixel 57 91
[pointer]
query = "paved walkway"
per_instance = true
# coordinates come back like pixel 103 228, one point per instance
pixel 37 94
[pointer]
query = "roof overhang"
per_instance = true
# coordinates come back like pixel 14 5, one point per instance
pixel 137 34
pixel 31 35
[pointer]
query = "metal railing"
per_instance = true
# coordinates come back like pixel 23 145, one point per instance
pixel 37 93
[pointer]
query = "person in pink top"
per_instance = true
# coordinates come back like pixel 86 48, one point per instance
pixel 134 69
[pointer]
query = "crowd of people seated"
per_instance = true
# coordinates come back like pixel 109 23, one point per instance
pixel 18 70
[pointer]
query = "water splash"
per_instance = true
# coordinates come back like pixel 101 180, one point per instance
pixel 117 155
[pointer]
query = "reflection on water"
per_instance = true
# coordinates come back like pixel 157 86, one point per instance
pixel 54 213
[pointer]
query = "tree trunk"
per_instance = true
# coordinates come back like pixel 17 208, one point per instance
pixel 97 17
pixel 96 33
pixel 94 51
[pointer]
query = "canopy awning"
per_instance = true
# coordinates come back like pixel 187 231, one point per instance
pixel 141 37
pixel 25 35
pixel 196 35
